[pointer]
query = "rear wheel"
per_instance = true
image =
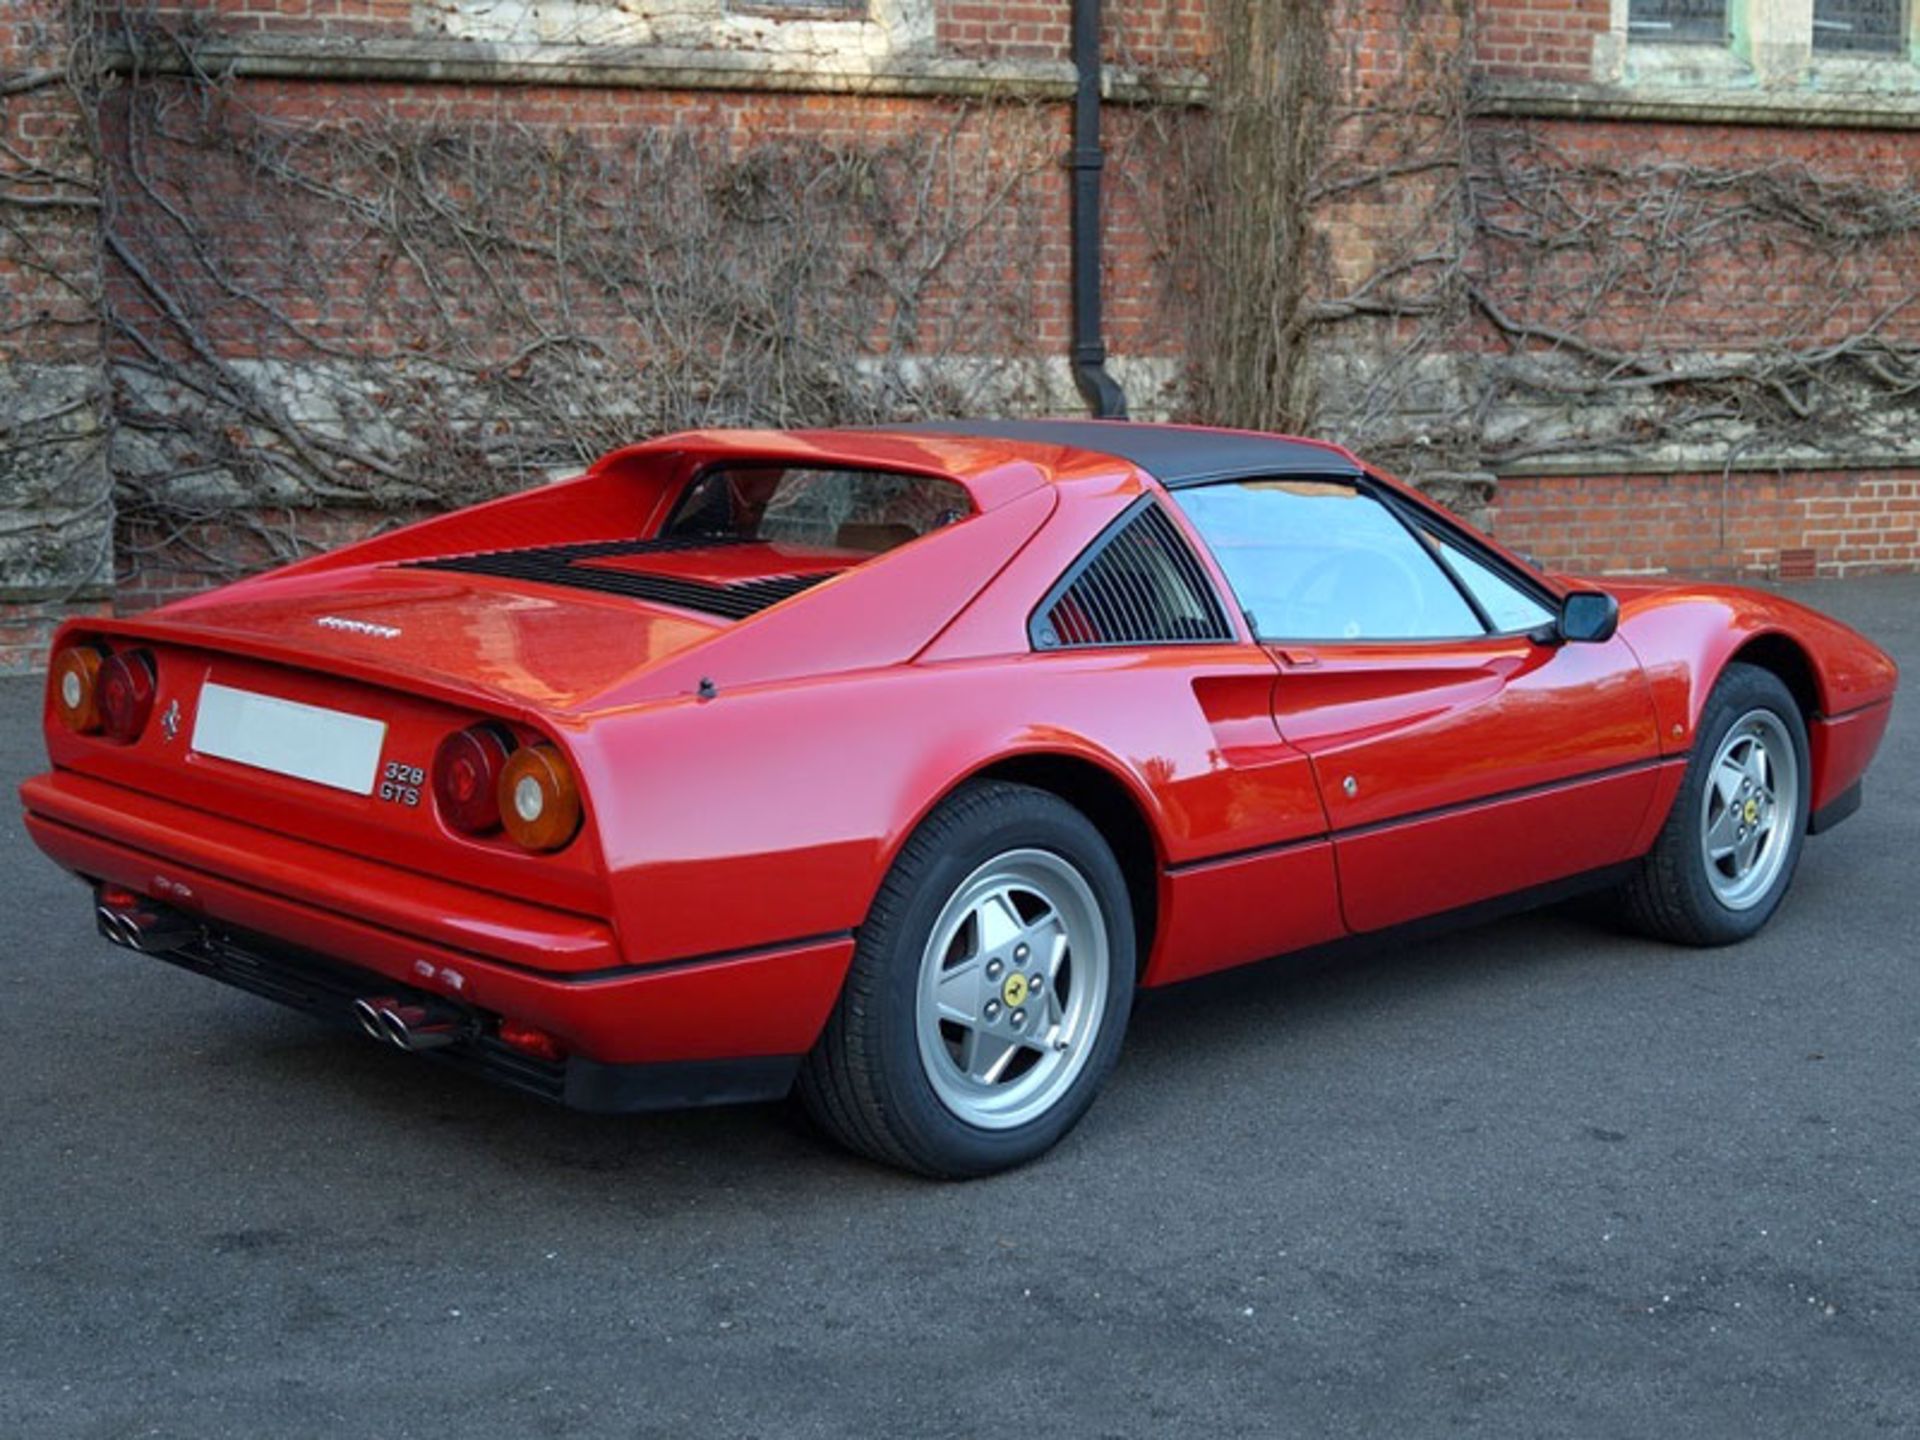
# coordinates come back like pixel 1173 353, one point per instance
pixel 988 993
pixel 1728 850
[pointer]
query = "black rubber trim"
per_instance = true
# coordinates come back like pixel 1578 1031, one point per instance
pixel 1412 817
pixel 1519 793
pixel 1836 809
pixel 687 962
pixel 1856 710
pixel 1251 852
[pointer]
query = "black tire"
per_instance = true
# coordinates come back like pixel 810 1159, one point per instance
pixel 865 1084
pixel 1671 895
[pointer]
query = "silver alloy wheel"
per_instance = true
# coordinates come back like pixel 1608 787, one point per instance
pixel 1013 985
pixel 1749 809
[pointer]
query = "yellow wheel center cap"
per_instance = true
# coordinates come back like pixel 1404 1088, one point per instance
pixel 1753 811
pixel 1014 991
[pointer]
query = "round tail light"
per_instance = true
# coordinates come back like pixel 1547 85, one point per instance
pixel 466 778
pixel 76 688
pixel 126 695
pixel 539 801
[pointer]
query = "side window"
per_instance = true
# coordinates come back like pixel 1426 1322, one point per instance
pixel 1323 560
pixel 1510 608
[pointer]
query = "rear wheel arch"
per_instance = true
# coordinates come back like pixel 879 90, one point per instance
pixel 1098 792
pixel 1116 813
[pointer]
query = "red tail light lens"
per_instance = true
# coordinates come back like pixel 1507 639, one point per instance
pixel 466 778
pixel 539 800
pixel 126 695
pixel 76 688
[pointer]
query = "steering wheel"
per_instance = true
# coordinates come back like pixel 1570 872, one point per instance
pixel 1331 595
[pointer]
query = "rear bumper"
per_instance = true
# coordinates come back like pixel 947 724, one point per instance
pixel 327 988
pixel 765 1004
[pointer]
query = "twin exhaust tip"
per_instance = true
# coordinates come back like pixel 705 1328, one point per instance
pixel 135 923
pixel 407 1024
pixel 151 931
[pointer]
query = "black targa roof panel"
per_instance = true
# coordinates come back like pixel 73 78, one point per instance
pixel 1173 454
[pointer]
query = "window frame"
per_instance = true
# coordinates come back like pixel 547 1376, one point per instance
pixel 1413 518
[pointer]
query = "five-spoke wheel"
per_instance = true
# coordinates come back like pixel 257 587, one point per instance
pixel 1013 986
pixel 989 989
pixel 1748 808
pixel 1727 851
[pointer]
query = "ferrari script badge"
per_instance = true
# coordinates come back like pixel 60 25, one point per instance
pixel 359 627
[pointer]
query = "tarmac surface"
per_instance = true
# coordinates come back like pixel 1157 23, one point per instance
pixel 1534 1179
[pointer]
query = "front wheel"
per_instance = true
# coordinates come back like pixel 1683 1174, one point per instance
pixel 1727 852
pixel 988 992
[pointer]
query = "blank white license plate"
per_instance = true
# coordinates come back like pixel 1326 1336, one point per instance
pixel 308 742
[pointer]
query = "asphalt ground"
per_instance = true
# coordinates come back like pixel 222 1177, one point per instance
pixel 1534 1179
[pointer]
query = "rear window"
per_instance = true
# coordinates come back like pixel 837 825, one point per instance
pixel 862 510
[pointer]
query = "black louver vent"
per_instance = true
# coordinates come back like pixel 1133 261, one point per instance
pixel 561 565
pixel 1138 584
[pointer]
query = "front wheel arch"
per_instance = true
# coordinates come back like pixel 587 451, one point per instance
pixel 1788 661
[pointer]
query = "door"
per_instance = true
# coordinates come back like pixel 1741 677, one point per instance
pixel 1461 750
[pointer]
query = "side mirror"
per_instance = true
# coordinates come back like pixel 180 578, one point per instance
pixel 1589 616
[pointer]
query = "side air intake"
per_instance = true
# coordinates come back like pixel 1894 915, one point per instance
pixel 1138 584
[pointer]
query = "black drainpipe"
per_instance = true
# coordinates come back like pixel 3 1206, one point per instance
pixel 1104 397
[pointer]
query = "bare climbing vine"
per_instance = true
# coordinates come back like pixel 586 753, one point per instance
pixel 414 305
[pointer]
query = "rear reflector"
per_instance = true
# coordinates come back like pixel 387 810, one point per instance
pixel 531 1040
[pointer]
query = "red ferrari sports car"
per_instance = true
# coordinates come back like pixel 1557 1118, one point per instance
pixel 885 765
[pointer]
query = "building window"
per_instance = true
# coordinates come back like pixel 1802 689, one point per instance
pixel 1860 26
pixel 1686 20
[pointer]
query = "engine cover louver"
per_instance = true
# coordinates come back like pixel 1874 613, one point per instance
pixel 564 565
pixel 1139 583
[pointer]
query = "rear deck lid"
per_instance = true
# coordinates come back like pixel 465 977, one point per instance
pixel 489 627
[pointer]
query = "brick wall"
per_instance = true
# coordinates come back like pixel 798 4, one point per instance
pixel 1760 288
pixel 1538 39
pixel 1738 525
